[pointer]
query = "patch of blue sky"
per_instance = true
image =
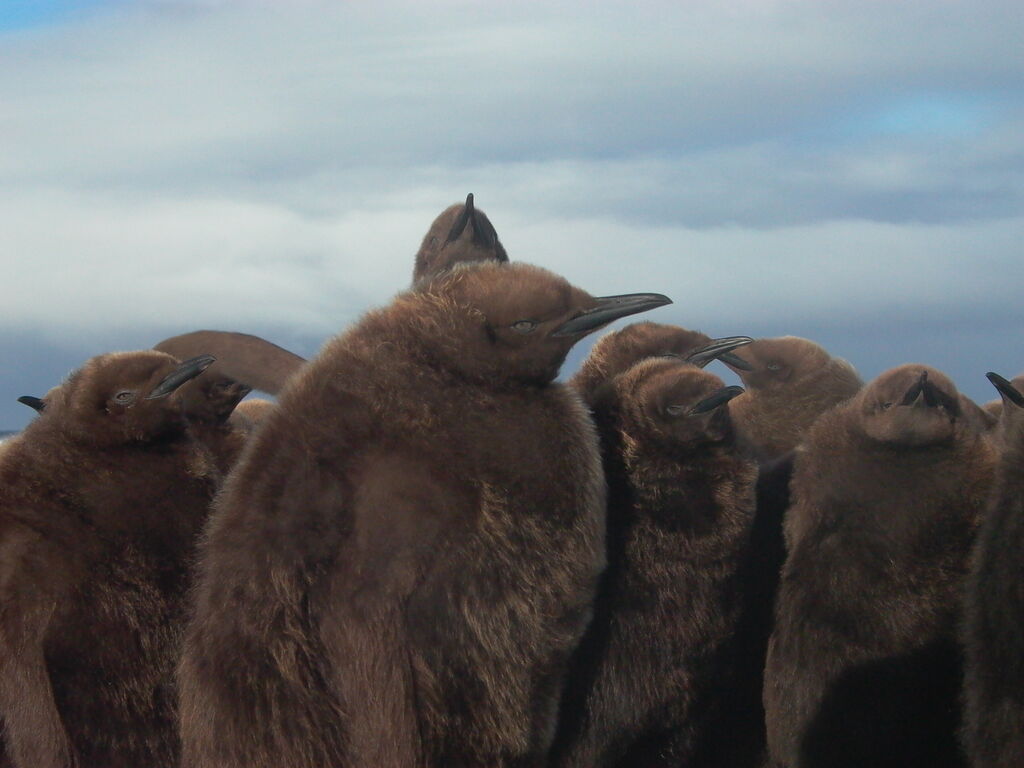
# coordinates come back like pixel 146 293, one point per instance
pixel 26 14
pixel 924 115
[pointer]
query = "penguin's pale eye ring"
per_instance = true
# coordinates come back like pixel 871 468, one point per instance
pixel 524 326
pixel 124 397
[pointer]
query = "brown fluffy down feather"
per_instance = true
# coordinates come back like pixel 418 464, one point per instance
pixel 402 563
pixel 862 665
pixel 681 502
pixel 616 352
pixel 100 506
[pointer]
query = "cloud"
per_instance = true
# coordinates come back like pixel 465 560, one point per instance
pixel 833 168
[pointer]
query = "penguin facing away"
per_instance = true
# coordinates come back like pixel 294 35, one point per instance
pixel 862 665
pixel 993 729
pixel 401 564
pixel 460 234
pixel 101 500
pixel 681 500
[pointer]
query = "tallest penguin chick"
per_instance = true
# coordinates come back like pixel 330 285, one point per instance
pixel 405 558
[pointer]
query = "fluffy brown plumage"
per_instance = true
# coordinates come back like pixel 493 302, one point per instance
pixel 461 234
pixel 790 382
pixel 616 352
pixel 862 666
pixel 993 635
pixel 402 562
pixel 680 509
pixel 101 500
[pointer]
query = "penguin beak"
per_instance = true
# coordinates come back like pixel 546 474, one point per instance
pixel 34 403
pixel 716 349
pixel 915 395
pixel 925 393
pixel 609 308
pixel 735 362
pixel 187 371
pixel 1008 392
pixel 715 400
pixel 463 219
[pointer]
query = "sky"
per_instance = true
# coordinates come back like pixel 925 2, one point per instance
pixel 851 171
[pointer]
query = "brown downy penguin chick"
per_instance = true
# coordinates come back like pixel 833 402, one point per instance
pixel 680 506
pixel 242 357
pixel 101 500
pixel 993 731
pixel 406 555
pixel 888 491
pixel 616 352
pixel 790 381
pixel 459 235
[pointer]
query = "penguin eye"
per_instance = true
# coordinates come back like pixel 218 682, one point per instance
pixel 886 406
pixel 124 397
pixel 523 326
pixel 773 366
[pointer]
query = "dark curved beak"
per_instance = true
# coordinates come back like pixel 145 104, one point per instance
pixel 715 349
pixel 1008 392
pixel 715 400
pixel 925 393
pixel 463 219
pixel 187 371
pixel 914 394
pixel 610 308
pixel 735 362
pixel 34 403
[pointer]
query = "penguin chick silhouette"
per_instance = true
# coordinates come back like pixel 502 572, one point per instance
pixel 862 665
pixel 616 352
pixel 993 729
pixel 790 381
pixel 405 556
pixel 460 234
pixel 101 499
pixel 241 357
pixel 681 502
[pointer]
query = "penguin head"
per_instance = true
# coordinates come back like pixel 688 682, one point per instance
pixel 674 403
pixel 125 397
pixel 510 322
pixel 911 405
pixel 210 397
pixel 770 364
pixel 460 234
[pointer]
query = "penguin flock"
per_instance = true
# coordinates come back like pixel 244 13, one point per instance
pixel 428 552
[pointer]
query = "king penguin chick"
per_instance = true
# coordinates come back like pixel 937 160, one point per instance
pixel 862 666
pixel 993 732
pixel 460 234
pixel 616 352
pixel 101 500
pixel 681 502
pixel 406 555
pixel 790 381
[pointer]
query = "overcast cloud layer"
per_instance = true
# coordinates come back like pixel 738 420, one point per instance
pixel 848 171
